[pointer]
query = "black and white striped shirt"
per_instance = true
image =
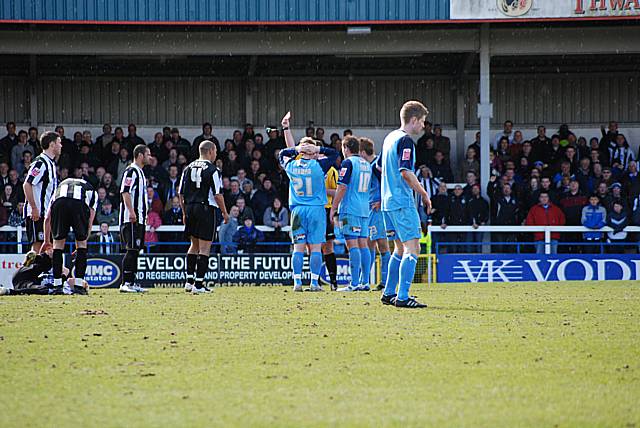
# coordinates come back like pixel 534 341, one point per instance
pixel 135 184
pixel 42 175
pixel 78 189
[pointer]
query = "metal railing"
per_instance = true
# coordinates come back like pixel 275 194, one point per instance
pixel 547 230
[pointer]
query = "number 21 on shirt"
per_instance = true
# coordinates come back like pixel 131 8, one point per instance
pixel 302 186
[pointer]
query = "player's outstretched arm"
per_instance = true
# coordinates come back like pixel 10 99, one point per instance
pixel 288 136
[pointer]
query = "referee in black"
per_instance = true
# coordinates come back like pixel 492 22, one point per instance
pixel 73 208
pixel 133 217
pixel 200 194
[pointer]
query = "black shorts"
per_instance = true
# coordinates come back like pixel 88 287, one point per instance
pixel 329 234
pixel 132 234
pixel 200 221
pixel 67 214
pixel 35 230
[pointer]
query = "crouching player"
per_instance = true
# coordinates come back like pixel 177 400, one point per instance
pixel 307 198
pixel 35 277
pixel 352 203
pixel 73 208
pixel 377 231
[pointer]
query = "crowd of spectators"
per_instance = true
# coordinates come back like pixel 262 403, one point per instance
pixel 544 180
pixel 556 180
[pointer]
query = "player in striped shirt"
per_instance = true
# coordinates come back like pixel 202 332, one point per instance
pixel 38 189
pixel 133 217
pixel 73 208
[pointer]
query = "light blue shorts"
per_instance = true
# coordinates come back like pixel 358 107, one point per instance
pixel 402 224
pixel 308 224
pixel 353 227
pixel 376 226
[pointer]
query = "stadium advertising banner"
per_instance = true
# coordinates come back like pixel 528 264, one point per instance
pixel 9 264
pixel 537 267
pixel 540 9
pixel 238 270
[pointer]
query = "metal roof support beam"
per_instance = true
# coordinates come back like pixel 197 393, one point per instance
pixel 485 108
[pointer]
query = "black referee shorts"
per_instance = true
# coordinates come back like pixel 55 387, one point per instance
pixel 35 229
pixel 67 214
pixel 330 233
pixel 200 221
pixel 132 234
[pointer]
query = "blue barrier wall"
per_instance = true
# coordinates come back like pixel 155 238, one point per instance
pixel 537 267
pixel 225 11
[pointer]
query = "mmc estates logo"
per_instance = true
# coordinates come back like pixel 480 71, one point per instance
pixel 515 7
pixel 533 267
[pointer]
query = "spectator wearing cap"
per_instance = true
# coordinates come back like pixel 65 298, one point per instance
pixel 616 195
pixel 507 132
pixel 545 213
pixel 181 144
pixel 477 215
pixel 107 214
pixel 617 219
pixel 594 216
pixel 441 142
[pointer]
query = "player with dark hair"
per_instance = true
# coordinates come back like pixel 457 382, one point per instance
pixel 73 208
pixel 352 204
pixel 39 186
pixel 133 217
pixel 200 194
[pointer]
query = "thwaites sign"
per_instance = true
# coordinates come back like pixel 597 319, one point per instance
pixel 535 267
pixel 540 9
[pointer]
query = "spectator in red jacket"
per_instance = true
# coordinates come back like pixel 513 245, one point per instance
pixel 545 213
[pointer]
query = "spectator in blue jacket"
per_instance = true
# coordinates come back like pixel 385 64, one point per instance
pixel 227 231
pixel 248 236
pixel 594 216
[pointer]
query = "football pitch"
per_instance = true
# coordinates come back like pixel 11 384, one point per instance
pixel 481 355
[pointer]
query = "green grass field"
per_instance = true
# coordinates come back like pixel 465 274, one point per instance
pixel 489 355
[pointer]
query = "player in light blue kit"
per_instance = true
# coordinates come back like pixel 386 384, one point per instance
pixel 398 182
pixel 352 203
pixel 377 231
pixel 307 198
